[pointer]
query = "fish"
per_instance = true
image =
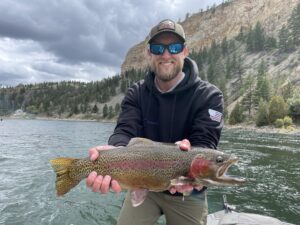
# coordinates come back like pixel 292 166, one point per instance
pixel 144 165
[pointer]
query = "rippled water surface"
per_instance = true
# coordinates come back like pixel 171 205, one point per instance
pixel 270 162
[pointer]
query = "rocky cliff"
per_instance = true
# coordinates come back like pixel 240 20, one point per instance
pixel 225 20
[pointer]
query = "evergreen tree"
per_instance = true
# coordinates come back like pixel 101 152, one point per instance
pixel 287 90
pixel 240 69
pixel 228 70
pixel 262 116
pixel 211 75
pixel 105 111
pixel 250 40
pixel 241 36
pixel 124 85
pixel 294 104
pixel 258 37
pixel 75 109
pixel 95 109
pixel 110 112
pixel 224 46
pixel 236 116
pixel 271 43
pixel 294 25
pixel 263 85
pixel 249 92
pixel 285 40
pixel 117 108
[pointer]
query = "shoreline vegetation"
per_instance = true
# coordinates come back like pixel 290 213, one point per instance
pixel 294 129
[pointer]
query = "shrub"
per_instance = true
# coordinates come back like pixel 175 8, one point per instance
pixel 287 121
pixel 32 109
pixel 278 123
pixel 277 109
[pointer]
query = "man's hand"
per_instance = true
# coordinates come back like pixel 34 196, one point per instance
pixel 184 145
pixel 97 182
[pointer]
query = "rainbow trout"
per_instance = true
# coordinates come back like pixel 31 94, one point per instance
pixel 144 165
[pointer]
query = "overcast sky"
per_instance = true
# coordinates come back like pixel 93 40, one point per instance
pixel 84 40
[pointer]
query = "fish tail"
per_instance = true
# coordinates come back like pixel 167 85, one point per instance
pixel 64 183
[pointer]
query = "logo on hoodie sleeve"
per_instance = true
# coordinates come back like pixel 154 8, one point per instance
pixel 215 115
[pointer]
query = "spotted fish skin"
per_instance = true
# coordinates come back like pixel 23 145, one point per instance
pixel 142 164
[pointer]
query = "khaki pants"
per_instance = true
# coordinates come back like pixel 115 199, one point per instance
pixel 190 211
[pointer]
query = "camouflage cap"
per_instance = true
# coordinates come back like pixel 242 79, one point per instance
pixel 167 26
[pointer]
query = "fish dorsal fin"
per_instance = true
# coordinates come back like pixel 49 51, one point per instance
pixel 140 142
pixel 138 196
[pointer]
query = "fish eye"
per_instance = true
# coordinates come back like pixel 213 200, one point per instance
pixel 219 159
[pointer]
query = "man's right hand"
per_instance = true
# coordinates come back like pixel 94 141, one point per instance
pixel 97 182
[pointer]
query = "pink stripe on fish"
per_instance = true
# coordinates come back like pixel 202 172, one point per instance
pixel 144 164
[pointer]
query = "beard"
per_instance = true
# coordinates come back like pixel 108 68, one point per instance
pixel 166 73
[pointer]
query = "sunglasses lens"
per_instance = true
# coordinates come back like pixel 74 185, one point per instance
pixel 174 48
pixel 157 49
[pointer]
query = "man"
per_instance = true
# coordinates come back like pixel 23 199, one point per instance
pixel 171 104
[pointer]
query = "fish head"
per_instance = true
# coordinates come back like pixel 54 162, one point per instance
pixel 210 168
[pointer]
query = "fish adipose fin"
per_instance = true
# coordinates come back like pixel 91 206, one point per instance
pixel 64 183
pixel 138 196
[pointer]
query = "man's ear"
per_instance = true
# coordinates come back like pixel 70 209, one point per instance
pixel 186 51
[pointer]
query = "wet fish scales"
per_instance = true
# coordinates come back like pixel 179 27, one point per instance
pixel 145 164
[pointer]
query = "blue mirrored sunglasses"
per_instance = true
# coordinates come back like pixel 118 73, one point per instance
pixel 173 48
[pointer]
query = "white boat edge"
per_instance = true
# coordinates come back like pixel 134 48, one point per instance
pixel 230 217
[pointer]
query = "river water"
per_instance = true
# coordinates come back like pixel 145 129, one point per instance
pixel 270 162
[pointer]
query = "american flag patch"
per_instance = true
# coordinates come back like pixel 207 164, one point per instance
pixel 215 115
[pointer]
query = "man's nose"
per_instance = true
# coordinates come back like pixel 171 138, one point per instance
pixel 166 53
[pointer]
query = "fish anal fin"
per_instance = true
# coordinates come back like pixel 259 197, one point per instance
pixel 138 196
pixel 184 184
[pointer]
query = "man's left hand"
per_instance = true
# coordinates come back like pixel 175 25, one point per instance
pixel 184 145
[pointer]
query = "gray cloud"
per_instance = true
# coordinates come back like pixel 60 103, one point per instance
pixel 74 36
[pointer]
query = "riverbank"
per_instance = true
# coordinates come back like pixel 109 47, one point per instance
pixel 77 117
pixel 294 129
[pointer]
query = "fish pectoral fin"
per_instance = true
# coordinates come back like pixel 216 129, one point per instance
pixel 138 196
pixel 183 185
pixel 180 181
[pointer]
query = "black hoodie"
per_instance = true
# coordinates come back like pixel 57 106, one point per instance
pixel 193 110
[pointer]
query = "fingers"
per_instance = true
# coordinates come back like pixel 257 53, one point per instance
pixel 94 152
pixel 186 188
pixel 97 183
pixel 199 187
pixel 90 179
pixel 116 186
pixel 184 145
pixel 101 184
pixel 172 190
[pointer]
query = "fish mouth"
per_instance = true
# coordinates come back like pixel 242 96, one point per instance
pixel 222 177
